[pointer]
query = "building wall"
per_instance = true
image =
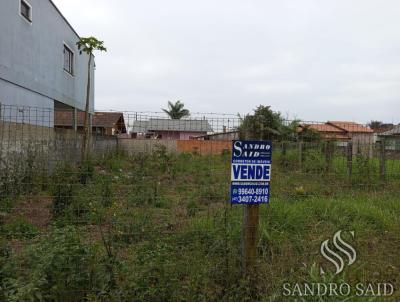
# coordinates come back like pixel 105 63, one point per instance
pixel 190 135
pixel 32 58
pixel 229 136
pixel 167 134
pixel 39 112
pixel 178 135
pixel 362 143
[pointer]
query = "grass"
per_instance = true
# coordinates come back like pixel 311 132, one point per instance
pixel 158 227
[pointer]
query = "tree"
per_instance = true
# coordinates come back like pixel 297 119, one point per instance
pixel 88 46
pixel 308 134
pixel 263 124
pixel 176 110
pixel 375 125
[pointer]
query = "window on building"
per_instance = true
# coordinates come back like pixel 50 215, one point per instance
pixel 26 10
pixel 68 60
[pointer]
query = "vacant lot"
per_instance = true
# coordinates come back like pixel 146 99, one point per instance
pixel 158 227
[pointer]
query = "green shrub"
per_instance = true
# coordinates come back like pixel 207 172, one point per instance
pixel 161 158
pixel 58 268
pixel 289 159
pixel 6 203
pixel 63 188
pixel 106 193
pixel 10 177
pixel 148 193
pixel 314 162
pixel 86 171
pixel 141 194
pixel 192 208
pixel 19 228
pixel 132 227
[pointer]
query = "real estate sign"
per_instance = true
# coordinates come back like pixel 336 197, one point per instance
pixel 250 172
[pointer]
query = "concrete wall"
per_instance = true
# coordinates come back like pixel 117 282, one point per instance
pixel 31 58
pixel 134 146
pixel 47 145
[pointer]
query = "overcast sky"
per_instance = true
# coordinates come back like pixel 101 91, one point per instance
pixel 310 59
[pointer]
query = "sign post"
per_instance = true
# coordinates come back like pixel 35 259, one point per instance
pixel 250 178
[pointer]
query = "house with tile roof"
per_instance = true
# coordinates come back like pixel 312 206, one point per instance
pixel 103 123
pixel 327 131
pixel 392 138
pixel 183 129
pixel 361 136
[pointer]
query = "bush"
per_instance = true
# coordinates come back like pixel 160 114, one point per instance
pixel 86 171
pixel 6 203
pixel 161 158
pixel 106 193
pixel 148 193
pixel 132 227
pixel 142 194
pixel 314 162
pixel 192 208
pixel 20 229
pixel 63 188
pixel 55 269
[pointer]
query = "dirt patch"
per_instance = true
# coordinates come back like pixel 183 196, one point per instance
pixel 35 210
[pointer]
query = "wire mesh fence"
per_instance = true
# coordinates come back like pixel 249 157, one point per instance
pixel 146 216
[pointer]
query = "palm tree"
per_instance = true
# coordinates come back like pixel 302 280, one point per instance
pixel 176 110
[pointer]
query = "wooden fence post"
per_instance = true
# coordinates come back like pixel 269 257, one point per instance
pixel 328 155
pixel 250 238
pixel 283 149
pixel 75 119
pixel 349 159
pixel 251 217
pixel 301 154
pixel 382 159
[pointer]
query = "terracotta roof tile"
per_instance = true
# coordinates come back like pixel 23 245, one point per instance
pixel 351 127
pixel 100 119
pixel 322 128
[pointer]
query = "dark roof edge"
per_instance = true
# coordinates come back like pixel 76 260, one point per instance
pixel 65 19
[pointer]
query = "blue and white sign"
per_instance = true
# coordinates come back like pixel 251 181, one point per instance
pixel 251 172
